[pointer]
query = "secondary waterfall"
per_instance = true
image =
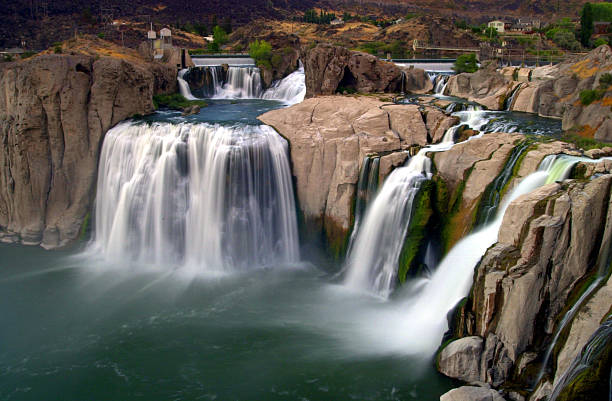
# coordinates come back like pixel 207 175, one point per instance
pixel 290 89
pixel 440 84
pixel 427 307
pixel 242 82
pixel 207 195
pixel 372 259
pixel 184 86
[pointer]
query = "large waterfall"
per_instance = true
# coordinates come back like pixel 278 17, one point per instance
pixel 207 195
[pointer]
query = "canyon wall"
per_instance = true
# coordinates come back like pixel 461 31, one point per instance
pixel 54 112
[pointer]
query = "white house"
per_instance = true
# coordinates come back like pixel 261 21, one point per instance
pixel 498 25
pixel 337 21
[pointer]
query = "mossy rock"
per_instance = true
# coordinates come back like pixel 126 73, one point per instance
pixel 414 244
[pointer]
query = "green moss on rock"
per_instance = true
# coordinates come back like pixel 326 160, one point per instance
pixel 414 243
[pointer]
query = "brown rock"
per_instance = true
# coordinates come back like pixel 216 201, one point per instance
pixel 54 111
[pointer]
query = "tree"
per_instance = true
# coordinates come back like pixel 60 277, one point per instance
pixel 466 63
pixel 219 36
pixel 261 52
pixel 586 24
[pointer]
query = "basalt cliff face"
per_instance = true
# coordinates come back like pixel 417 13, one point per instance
pixel 539 293
pixel 54 112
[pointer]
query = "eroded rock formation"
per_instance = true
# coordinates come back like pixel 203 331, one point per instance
pixel 330 136
pixel 331 68
pixel 54 111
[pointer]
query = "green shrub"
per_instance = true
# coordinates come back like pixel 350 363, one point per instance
pixel 466 63
pixel 219 36
pixel 590 95
pixel 27 54
pixel 101 35
pixel 566 40
pixel 57 49
pixel 605 80
pixel 600 42
pixel 261 52
pixel 7 58
pixel 212 47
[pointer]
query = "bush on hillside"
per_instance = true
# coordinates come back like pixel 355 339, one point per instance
pixel 590 95
pixel 466 63
pixel 261 52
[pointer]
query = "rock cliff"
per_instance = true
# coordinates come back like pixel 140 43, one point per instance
pixel 54 112
pixel 329 137
pixel 331 68
pixel 552 245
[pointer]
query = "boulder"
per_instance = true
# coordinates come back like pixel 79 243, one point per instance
pixel 461 359
pixel 470 393
pixel 486 86
pixel 54 112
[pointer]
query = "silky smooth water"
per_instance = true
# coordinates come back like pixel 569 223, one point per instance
pixel 79 328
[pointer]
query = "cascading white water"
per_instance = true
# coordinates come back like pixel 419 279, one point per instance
pixel 206 195
pixel 184 86
pixel 245 83
pixel 290 89
pixel 442 82
pixel 241 83
pixel 452 280
pixel 375 247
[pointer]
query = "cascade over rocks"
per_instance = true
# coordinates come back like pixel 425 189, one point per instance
pixel 331 68
pixel 54 112
pixel 551 240
pixel 550 91
pixel 329 137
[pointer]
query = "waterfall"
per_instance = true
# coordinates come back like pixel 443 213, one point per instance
pixel 184 86
pixel 366 189
pixel 452 279
pixel 510 100
pixel 442 81
pixel 242 83
pixel 492 196
pixel 597 345
pixel 206 195
pixel 372 259
pixel 290 89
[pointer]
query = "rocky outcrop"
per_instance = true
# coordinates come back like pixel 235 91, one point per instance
pixel 486 86
pixel 329 137
pixel 54 111
pixel 471 393
pixel 330 69
pixel 463 173
pixel 551 242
